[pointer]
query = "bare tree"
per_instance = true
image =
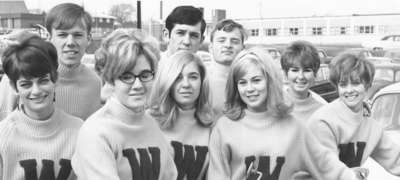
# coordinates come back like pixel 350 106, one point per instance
pixel 123 12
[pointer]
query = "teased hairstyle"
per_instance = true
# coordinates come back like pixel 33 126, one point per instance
pixel 66 16
pixel 163 105
pixel 301 53
pixel 121 49
pixel 347 66
pixel 31 58
pixel 185 15
pixel 228 25
pixel 234 106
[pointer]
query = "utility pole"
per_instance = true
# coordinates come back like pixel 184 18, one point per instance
pixel 139 14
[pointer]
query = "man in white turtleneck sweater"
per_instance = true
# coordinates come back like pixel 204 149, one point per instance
pixel 78 88
pixel 227 40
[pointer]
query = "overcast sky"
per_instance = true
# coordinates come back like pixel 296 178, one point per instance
pixel 238 9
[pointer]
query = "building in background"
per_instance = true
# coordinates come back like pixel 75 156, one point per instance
pixel 15 15
pixel 103 24
pixel 351 29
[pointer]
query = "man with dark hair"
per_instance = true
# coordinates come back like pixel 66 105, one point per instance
pixel 184 30
pixel 227 40
pixel 78 88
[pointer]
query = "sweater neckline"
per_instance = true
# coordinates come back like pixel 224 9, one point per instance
pixel 68 72
pixel 38 128
pixel 221 69
pixel 186 116
pixel 123 113
pixel 348 114
pixel 259 119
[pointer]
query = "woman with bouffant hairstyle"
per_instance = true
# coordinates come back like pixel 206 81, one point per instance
pixel 120 140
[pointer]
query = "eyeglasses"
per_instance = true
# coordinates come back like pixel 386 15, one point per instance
pixel 144 76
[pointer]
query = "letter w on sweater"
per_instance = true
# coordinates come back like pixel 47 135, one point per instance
pixel 349 156
pixel 148 168
pixel 189 160
pixel 264 168
pixel 47 172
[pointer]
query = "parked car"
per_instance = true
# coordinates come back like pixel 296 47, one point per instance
pixel 386 73
pixel 88 60
pixel 368 54
pixel 275 53
pixel 393 54
pixel 323 86
pixel 386 42
pixel 385 107
pixel 323 56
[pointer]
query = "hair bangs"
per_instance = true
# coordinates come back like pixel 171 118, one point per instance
pixel 31 65
pixel 68 23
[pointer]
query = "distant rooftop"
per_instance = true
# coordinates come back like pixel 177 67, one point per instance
pixel 322 16
pixel 12 6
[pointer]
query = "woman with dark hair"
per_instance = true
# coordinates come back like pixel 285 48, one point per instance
pixel 351 134
pixel 37 136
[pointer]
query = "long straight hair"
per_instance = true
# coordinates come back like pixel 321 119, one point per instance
pixel 163 106
pixel 276 103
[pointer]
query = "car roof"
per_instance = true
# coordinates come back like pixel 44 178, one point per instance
pixel 387 65
pixel 390 89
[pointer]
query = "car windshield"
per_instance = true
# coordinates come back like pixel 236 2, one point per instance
pixel 323 73
pixel 384 74
pixel 385 109
pixel 367 54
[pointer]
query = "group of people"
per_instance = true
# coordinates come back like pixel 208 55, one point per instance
pixel 169 116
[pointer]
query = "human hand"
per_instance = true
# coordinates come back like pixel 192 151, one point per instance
pixel 361 173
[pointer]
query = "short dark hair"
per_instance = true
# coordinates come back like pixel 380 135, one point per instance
pixel 347 66
pixel 228 25
pixel 301 53
pixel 33 57
pixel 185 15
pixel 66 16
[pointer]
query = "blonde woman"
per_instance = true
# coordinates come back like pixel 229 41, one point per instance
pixel 120 141
pixel 258 138
pixel 180 103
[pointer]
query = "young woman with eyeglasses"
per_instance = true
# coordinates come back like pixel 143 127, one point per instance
pixel 120 140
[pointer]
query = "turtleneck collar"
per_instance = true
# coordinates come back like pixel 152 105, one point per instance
pixel 301 102
pixel 186 116
pixel 221 69
pixel 38 128
pixel 68 72
pixel 346 113
pixel 259 119
pixel 123 113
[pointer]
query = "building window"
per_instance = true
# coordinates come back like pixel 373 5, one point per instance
pixel 294 31
pixel 342 30
pixel 253 32
pixel 100 20
pixel 317 31
pixel 271 32
pixel 366 29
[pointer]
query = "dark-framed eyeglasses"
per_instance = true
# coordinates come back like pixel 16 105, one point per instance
pixel 130 78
